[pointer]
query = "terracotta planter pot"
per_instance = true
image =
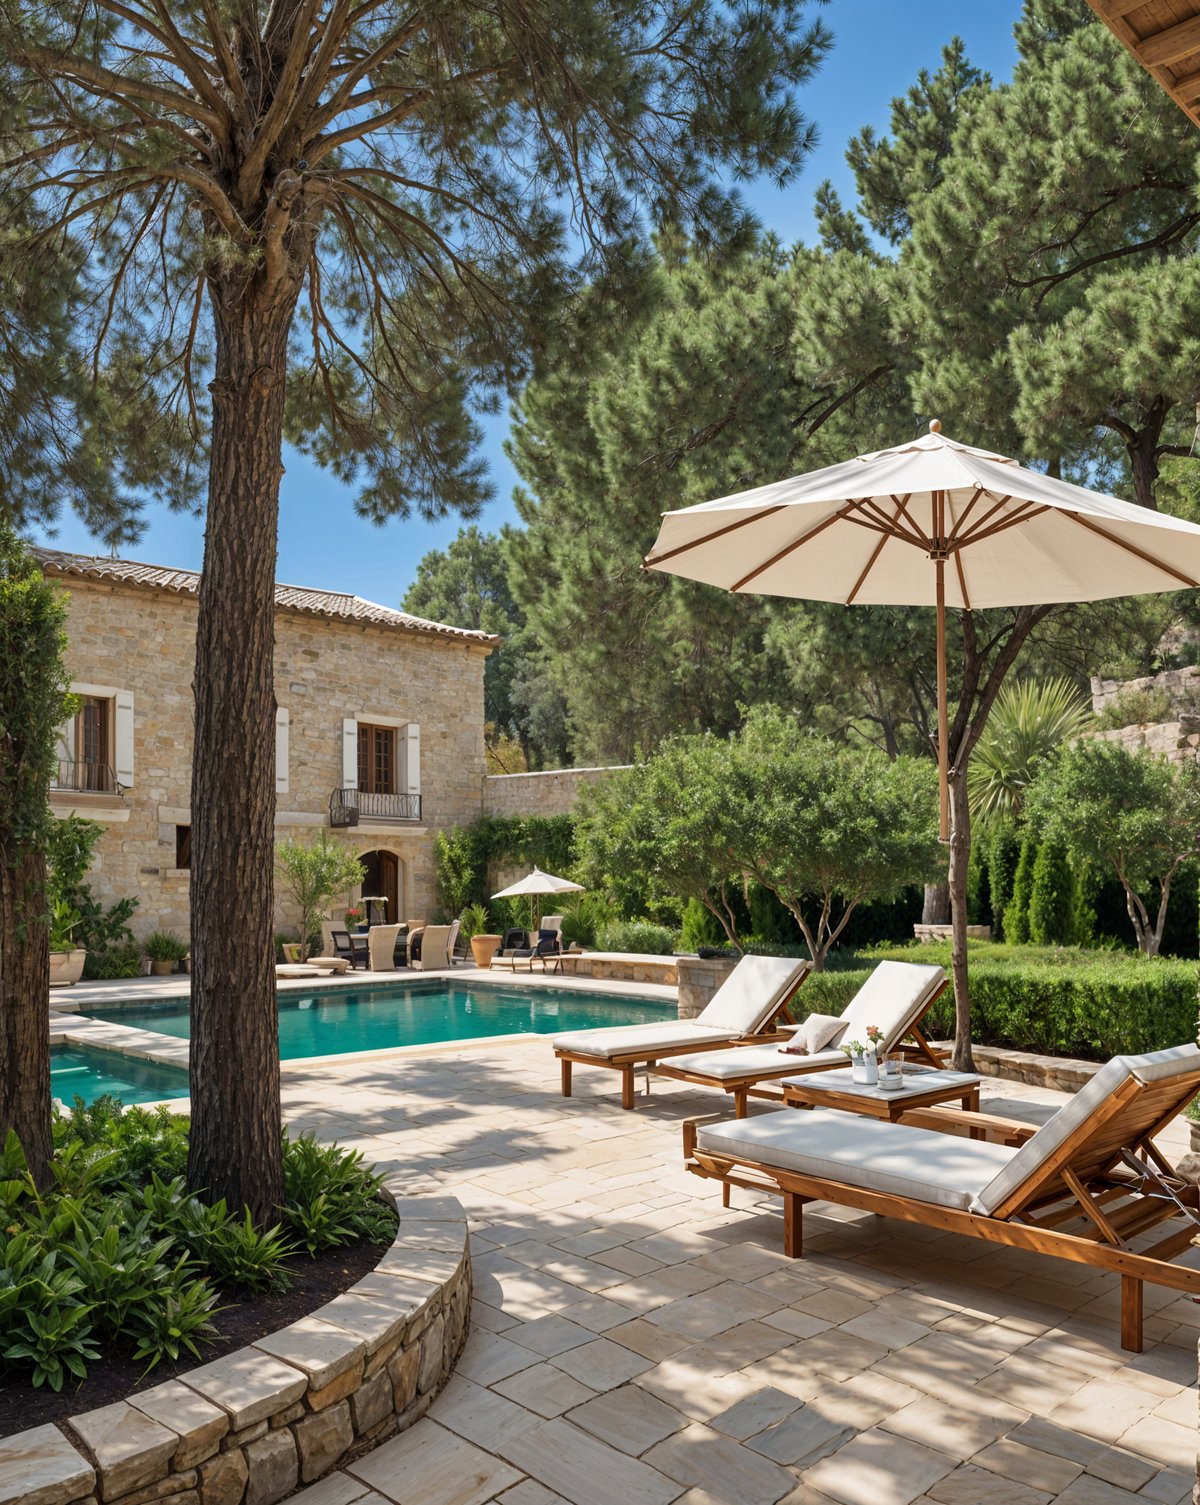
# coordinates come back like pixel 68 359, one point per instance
pixel 66 967
pixel 161 969
pixel 483 948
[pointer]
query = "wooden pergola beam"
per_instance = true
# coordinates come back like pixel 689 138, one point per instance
pixel 1164 37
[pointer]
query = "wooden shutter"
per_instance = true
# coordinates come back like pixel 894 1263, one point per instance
pixel 123 738
pixel 412 759
pixel 281 750
pixel 349 753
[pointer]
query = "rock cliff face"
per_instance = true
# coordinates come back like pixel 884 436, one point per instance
pixel 1177 737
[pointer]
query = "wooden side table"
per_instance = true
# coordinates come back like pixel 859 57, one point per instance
pixel 837 1089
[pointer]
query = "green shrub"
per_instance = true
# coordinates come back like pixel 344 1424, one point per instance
pixel 165 946
pixel 636 936
pixel 121 960
pixel 1051 897
pixel 584 915
pixel 1016 911
pixel 117 1255
pixel 1003 852
pixel 1132 707
pixel 1054 1000
pixel 700 928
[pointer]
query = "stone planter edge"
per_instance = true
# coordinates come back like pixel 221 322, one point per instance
pixel 263 1421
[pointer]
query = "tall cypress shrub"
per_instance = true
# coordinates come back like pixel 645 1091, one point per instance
pixel 1003 850
pixel 1051 897
pixel 1016 911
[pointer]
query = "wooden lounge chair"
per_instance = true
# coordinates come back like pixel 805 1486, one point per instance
pixel 896 997
pixel 751 999
pixel 1088 1186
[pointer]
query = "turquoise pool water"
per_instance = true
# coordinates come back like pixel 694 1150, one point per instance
pixel 338 1022
pixel 79 1071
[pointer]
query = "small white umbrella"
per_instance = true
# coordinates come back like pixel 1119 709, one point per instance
pixel 930 523
pixel 536 883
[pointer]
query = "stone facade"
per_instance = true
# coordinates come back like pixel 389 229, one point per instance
pixel 552 792
pixel 251 1427
pixel 140 640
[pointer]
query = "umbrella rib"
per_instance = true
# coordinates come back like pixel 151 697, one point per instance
pixel 651 560
pixel 893 523
pixel 870 564
pixel 1130 548
pixel 981 522
pixel 1030 510
pixel 962 579
pixel 903 504
pixel 795 544
pixel 961 522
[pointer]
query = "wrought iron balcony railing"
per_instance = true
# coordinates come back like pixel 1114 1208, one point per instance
pixel 348 806
pixel 86 778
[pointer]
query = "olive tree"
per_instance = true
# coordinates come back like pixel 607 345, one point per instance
pixel 312 874
pixel 827 827
pixel 1132 812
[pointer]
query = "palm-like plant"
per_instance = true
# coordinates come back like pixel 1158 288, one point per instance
pixel 1030 719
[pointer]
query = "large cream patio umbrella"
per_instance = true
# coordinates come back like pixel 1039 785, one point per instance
pixel 930 523
pixel 535 884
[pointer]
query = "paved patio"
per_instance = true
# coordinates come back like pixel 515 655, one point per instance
pixel 634 1342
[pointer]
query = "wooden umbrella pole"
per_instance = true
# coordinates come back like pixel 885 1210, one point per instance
pixel 943 720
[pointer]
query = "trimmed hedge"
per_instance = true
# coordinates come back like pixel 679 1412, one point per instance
pixel 637 937
pixel 1055 1000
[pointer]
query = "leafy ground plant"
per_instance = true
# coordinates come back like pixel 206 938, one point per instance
pixel 117 1256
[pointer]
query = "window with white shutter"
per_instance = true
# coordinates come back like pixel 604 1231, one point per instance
pixel 281 750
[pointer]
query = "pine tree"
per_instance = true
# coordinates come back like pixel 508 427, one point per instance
pixel 1051 897
pixel 352 224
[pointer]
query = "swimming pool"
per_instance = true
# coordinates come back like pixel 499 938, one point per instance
pixel 338 1022
pixel 80 1071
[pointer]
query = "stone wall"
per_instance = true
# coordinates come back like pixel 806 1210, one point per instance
pixel 552 792
pixel 1177 740
pixel 699 979
pixel 1182 685
pixel 252 1427
pixel 143 641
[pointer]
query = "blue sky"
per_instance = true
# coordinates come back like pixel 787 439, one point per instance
pixel 879 46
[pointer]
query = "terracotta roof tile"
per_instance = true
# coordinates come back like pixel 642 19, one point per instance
pixel 332 605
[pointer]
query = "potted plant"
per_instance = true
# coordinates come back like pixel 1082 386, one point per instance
pixel 165 950
pixel 484 943
pixel 311 874
pixel 354 918
pixel 66 959
pixel 864 1061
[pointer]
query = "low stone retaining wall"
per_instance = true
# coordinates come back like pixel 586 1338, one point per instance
pixel 1063 1073
pixel 699 979
pixel 257 1424
pixel 621 966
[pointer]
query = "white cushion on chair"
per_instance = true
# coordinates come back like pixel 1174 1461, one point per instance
pixel 629 1039
pixel 942 1169
pixel 751 993
pixel 820 1032
pixel 893 998
pixel 759 1061
pixel 1154 1067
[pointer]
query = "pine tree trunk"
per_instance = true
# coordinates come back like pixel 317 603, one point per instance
pixel 960 857
pixel 24 1020
pixel 935 907
pixel 235 1148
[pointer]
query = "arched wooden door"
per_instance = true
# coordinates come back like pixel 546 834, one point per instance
pixel 382 878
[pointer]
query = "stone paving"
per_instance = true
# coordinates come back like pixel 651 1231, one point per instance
pixel 635 1342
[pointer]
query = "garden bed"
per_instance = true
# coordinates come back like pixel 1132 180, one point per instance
pixel 315 1281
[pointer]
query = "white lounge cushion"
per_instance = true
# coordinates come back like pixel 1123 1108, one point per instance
pixel 942 1169
pixel 1154 1067
pixel 751 993
pixel 893 998
pixel 626 1039
pixel 758 1061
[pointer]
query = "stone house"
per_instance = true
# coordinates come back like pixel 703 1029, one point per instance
pixel 379 735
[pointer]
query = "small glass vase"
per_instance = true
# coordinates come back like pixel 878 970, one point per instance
pixel 865 1069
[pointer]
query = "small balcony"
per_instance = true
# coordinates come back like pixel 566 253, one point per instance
pixel 85 778
pixel 348 807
